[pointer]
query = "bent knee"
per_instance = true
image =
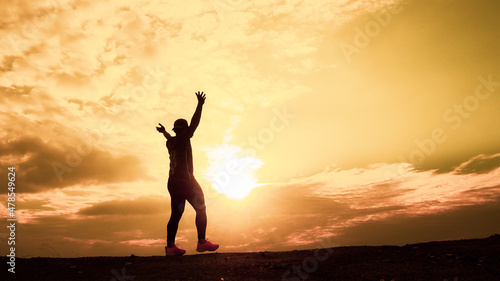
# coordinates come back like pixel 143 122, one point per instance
pixel 200 208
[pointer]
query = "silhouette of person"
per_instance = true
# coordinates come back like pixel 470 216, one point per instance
pixel 182 184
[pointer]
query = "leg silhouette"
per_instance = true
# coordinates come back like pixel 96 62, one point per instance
pixel 197 200
pixel 177 205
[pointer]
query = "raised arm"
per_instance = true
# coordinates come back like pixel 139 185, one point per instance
pixel 161 129
pixel 195 120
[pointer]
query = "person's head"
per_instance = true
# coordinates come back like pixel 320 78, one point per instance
pixel 180 125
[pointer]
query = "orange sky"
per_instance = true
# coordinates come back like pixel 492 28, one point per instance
pixel 356 122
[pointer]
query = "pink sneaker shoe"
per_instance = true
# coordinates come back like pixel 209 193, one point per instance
pixel 174 251
pixel 207 246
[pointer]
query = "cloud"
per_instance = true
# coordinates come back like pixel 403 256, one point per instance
pixel 35 205
pixel 472 221
pixel 139 206
pixel 480 164
pixel 7 63
pixel 102 235
pixel 41 165
pixel 21 104
pixel 15 94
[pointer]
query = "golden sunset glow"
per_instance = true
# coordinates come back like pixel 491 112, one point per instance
pixel 231 172
pixel 362 122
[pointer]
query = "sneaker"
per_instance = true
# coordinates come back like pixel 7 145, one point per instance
pixel 207 246
pixel 174 251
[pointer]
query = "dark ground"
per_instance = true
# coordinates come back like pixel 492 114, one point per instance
pixel 461 260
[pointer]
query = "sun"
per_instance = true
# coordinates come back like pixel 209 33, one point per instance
pixel 231 171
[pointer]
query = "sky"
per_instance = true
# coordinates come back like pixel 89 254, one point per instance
pixel 336 122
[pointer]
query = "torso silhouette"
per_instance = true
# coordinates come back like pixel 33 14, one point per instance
pixel 181 156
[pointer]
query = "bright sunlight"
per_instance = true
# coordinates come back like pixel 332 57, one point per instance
pixel 231 172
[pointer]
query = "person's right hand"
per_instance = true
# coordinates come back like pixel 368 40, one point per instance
pixel 160 129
